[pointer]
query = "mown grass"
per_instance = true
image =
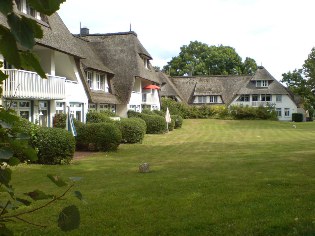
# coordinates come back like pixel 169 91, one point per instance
pixel 211 177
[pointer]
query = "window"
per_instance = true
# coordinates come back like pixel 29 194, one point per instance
pixel 278 98
pixel 22 108
pixel 266 97
pixel 29 10
pixel 262 83
pixel 278 111
pixel 255 97
pixel 99 81
pixel 243 98
pixel 202 99
pixel 287 112
pixel 60 107
pixel 103 107
pixel 89 77
pixel 213 99
pixel 92 107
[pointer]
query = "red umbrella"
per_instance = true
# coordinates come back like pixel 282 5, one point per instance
pixel 151 86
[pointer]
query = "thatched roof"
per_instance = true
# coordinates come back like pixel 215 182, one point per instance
pixel 228 87
pixel 168 88
pixel 56 34
pixel 121 52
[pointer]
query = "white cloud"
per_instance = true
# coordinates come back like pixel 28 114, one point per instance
pixel 277 33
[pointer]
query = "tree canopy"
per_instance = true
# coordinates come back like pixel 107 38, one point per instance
pixel 201 59
pixel 302 81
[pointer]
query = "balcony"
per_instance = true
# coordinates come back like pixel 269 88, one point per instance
pixel 149 99
pixel 29 85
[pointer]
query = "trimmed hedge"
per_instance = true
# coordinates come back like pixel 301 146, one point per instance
pixel 297 117
pixel 55 146
pixel 97 117
pixel 98 137
pixel 60 121
pixel 178 121
pixel 132 129
pixel 155 124
pixel 171 125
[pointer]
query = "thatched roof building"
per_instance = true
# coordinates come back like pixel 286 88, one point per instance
pixel 124 54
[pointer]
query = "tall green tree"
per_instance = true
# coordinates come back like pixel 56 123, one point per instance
pixel 302 81
pixel 249 66
pixel 201 59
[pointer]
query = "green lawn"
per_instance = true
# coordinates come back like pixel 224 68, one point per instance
pixel 211 177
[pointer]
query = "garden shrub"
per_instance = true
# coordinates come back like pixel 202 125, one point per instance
pixel 98 137
pixel 60 121
pixel 178 121
pixel 253 113
pixel 108 113
pixel 97 117
pixel 155 124
pixel 160 113
pixel 132 113
pixel 55 146
pixel 132 130
pixel 171 125
pixel 297 117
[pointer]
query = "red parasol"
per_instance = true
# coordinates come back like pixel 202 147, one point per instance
pixel 151 86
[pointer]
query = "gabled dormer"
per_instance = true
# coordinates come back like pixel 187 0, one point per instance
pixel 262 78
pixel 98 81
pixel 24 7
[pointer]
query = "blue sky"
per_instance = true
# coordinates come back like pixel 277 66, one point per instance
pixel 278 34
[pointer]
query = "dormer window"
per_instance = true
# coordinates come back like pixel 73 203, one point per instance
pixel 97 81
pixel 262 83
pixel 146 61
pixel 23 6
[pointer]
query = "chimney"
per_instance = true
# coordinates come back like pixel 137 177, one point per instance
pixel 84 31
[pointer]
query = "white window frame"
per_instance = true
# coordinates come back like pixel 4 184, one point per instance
pixel 262 83
pixel 287 112
pixel 202 99
pixel 213 99
pixel 279 112
pixel 89 78
pixel 279 98
pixel 264 97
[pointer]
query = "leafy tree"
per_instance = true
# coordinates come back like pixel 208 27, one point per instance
pixel 200 59
pixel 249 66
pixel 16 42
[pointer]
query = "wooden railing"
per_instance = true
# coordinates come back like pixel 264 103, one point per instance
pixel 27 84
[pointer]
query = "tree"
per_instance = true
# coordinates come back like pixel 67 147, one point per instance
pixel 302 82
pixel 200 59
pixel 16 41
pixel 249 66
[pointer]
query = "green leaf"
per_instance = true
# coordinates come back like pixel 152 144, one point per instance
pixel 57 180
pixel 5 176
pixel 78 195
pixel 38 195
pixel 6 7
pixel 37 30
pixel 21 30
pixel 3 77
pixel 69 218
pixel 29 61
pixel 8 47
pixel 24 201
pixel 48 7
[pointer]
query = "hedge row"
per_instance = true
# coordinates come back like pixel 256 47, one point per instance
pixel 219 111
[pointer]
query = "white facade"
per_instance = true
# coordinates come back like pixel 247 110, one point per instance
pixel 282 102
pixel 37 99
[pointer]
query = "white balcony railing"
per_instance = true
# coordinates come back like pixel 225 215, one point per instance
pixel 27 84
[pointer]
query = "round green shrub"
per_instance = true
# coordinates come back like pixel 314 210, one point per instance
pixel 55 146
pixel 97 117
pixel 178 121
pixel 132 129
pixel 98 137
pixel 155 124
pixel 171 125
pixel 60 121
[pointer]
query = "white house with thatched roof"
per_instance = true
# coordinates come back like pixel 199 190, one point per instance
pixel 37 99
pixel 134 84
pixel 258 90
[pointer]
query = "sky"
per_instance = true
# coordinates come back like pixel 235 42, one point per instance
pixel 278 34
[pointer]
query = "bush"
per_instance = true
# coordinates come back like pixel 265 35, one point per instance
pixel 155 124
pixel 98 137
pixel 60 121
pixel 297 117
pixel 55 146
pixel 132 129
pixel 253 113
pixel 178 121
pixel 97 117
pixel 171 125
pixel 108 113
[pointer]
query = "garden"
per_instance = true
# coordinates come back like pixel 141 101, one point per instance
pixel 211 177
